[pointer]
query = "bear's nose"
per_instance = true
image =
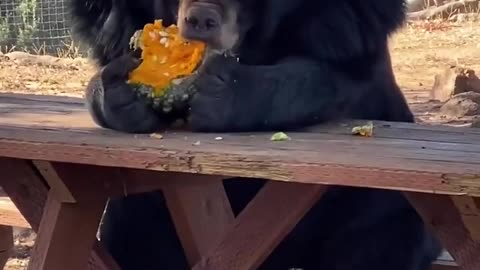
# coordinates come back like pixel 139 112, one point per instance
pixel 202 24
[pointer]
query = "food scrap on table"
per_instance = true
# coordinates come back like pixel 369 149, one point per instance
pixel 280 136
pixel 365 130
pixel 156 136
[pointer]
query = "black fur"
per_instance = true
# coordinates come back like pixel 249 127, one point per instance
pixel 301 63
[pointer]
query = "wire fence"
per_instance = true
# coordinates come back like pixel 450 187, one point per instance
pixel 36 26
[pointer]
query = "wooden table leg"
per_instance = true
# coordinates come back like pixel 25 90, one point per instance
pixel 444 267
pixel 262 225
pixel 442 215
pixel 201 213
pixel 28 191
pixel 6 244
pixel 67 234
pixel 469 211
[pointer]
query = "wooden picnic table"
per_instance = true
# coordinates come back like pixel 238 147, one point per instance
pixel 59 169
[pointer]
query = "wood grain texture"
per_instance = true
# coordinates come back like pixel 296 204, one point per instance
pixel 399 156
pixel 10 215
pixel 28 191
pixel 201 214
pixel 259 228
pixel 66 234
pixel 442 215
pixel 55 183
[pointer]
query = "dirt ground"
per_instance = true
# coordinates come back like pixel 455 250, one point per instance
pixel 419 52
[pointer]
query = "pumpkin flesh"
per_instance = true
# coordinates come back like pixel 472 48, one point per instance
pixel 166 56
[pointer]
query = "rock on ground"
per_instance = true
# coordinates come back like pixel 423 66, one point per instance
pixel 454 80
pixel 461 105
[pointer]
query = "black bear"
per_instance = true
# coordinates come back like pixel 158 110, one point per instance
pixel 272 65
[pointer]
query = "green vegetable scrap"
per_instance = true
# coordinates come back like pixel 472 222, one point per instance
pixel 279 136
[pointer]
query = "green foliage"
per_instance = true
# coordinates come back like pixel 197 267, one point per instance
pixel 27 9
pixel 18 25
pixel 36 26
pixel 4 28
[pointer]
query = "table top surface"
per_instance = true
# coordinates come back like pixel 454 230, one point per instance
pixel 398 156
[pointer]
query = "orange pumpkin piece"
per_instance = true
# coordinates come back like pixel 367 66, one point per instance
pixel 165 56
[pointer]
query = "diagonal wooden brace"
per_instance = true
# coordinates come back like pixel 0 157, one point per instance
pixel 441 213
pixel 28 190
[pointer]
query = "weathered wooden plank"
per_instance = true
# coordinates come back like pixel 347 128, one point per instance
pixel 437 172
pixel 252 237
pixel 53 109
pixel 32 99
pixel 22 103
pixel 67 233
pixel 201 213
pixel 443 216
pixel 18 104
pixel 440 159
